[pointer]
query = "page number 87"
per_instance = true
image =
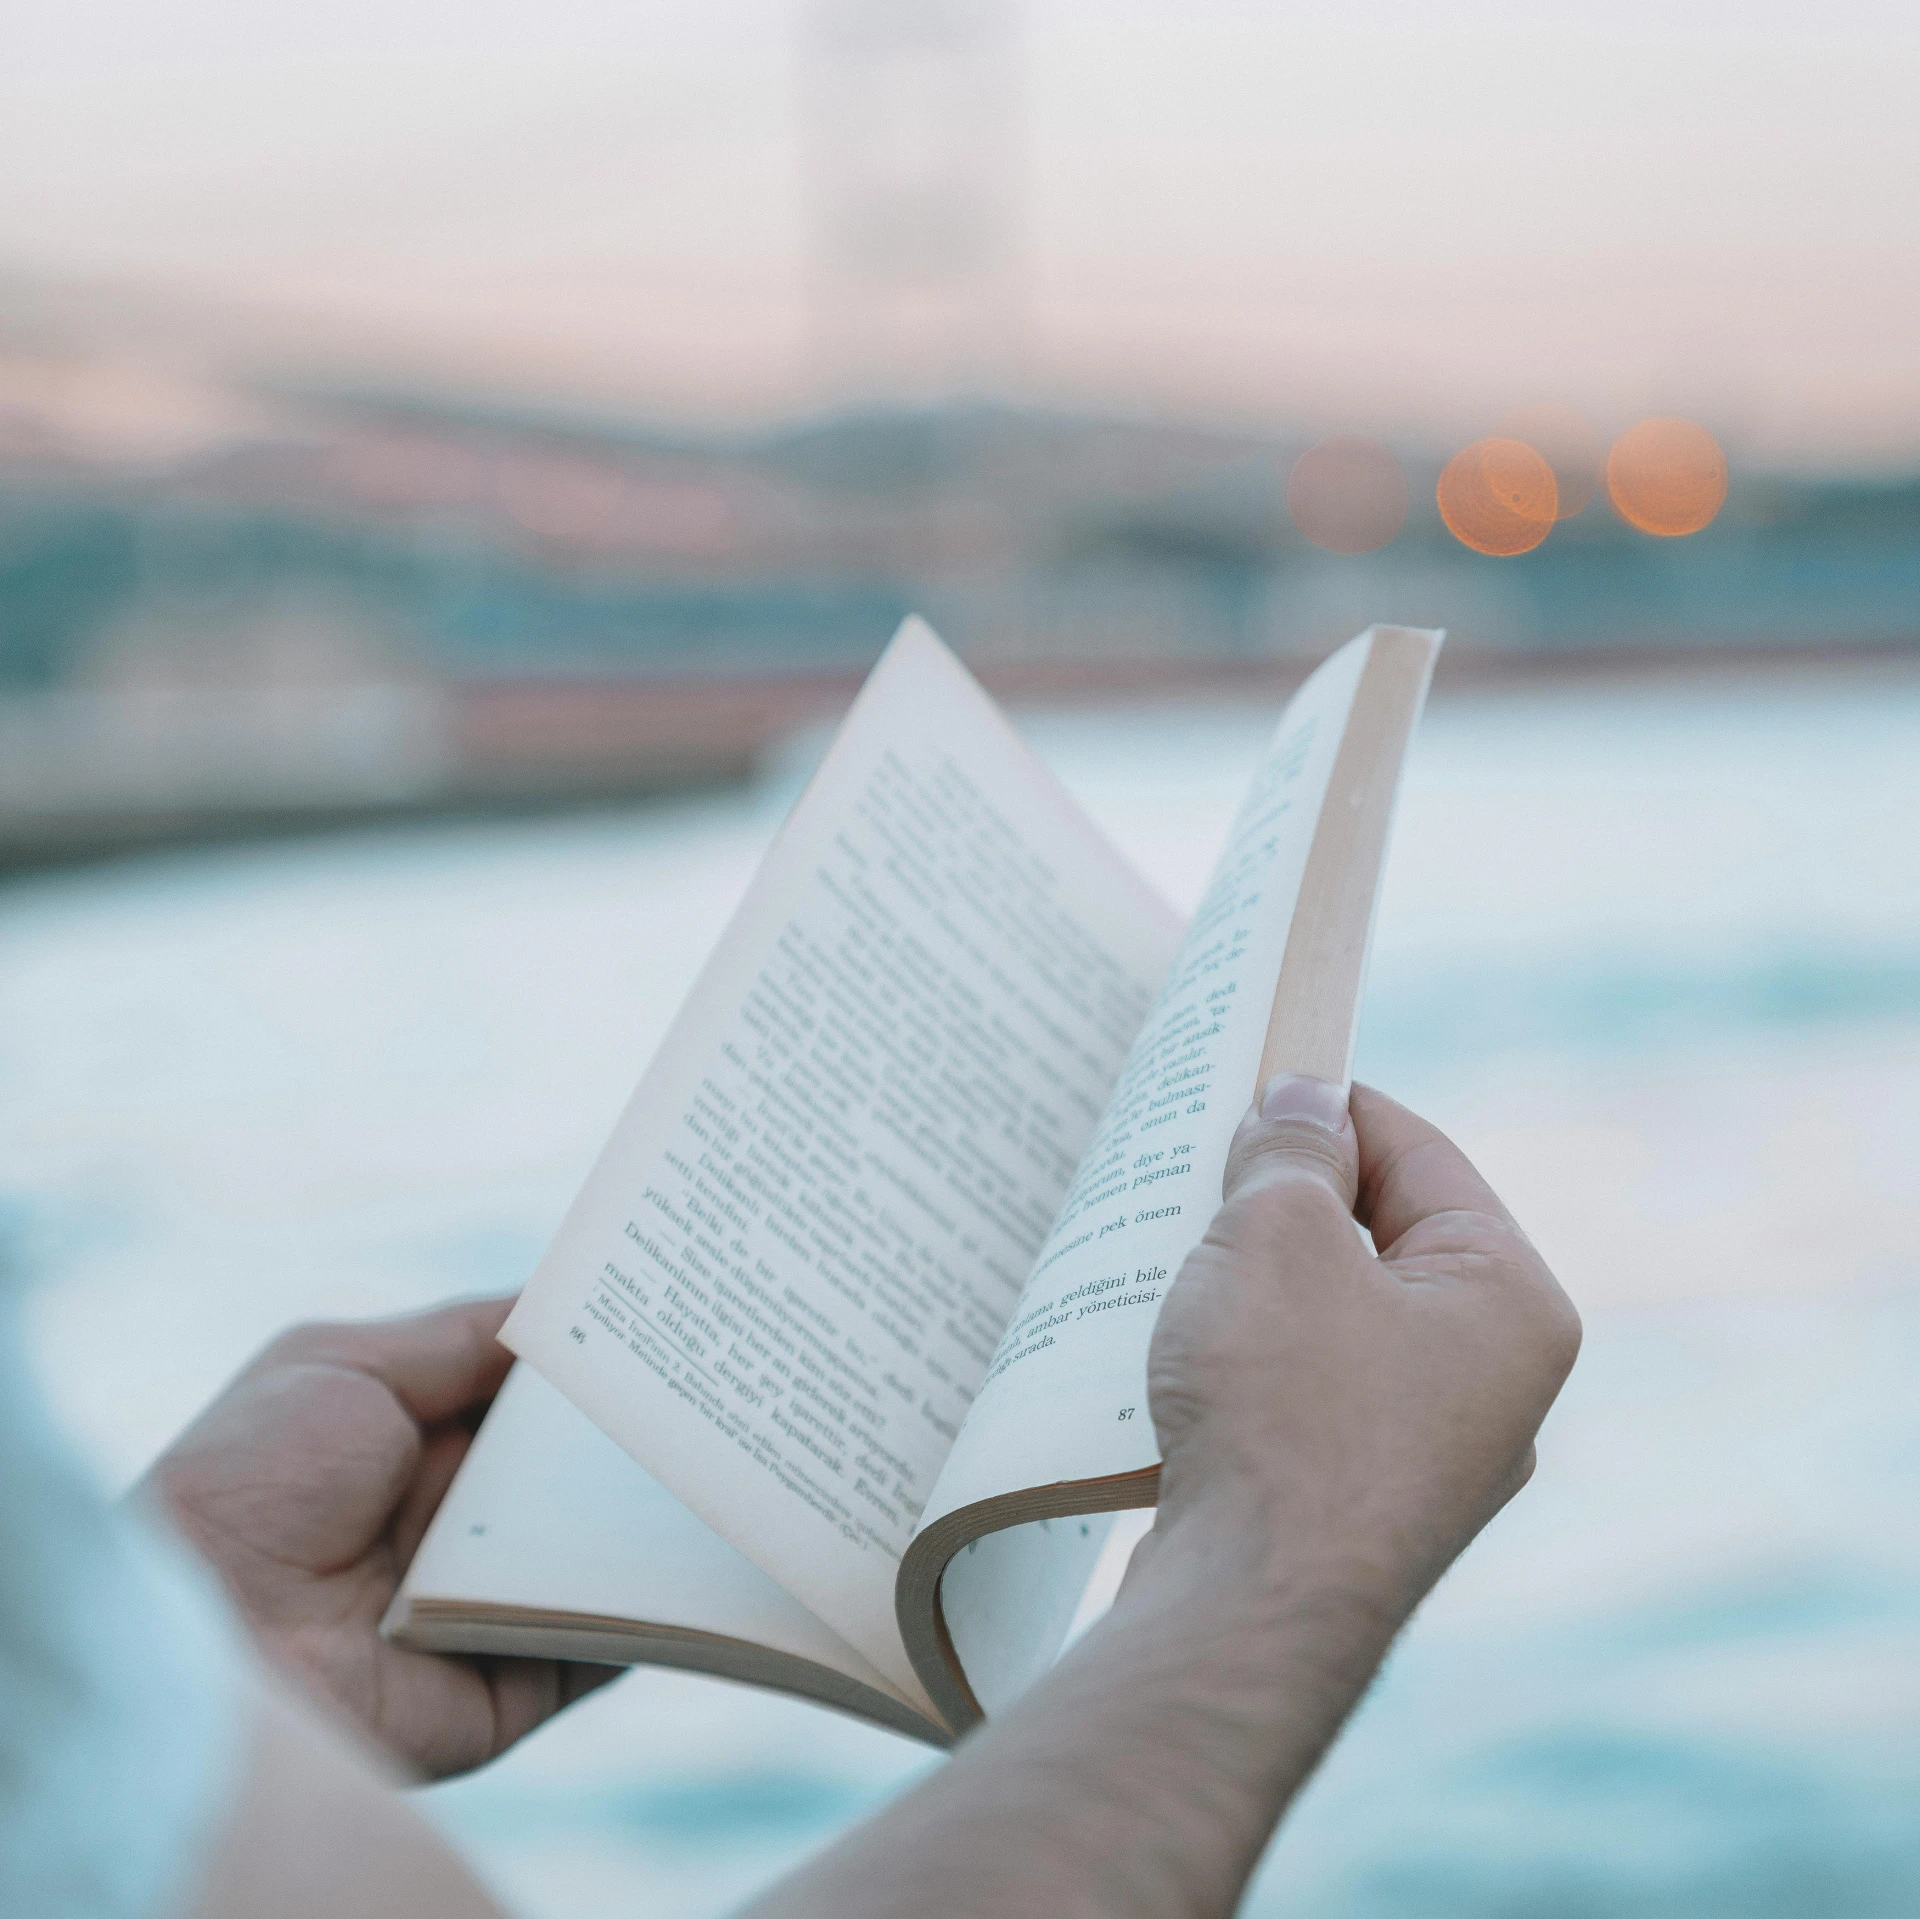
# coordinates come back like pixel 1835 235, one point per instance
pixel 1126 1412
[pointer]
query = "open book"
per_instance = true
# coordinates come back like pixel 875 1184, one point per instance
pixel 835 1373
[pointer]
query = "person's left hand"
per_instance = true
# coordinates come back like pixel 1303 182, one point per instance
pixel 308 1484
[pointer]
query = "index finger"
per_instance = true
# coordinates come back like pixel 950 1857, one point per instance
pixel 1410 1170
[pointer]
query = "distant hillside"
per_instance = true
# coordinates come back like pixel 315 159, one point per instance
pixel 476 542
pixel 227 611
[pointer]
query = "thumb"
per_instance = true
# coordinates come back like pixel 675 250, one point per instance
pixel 1300 1132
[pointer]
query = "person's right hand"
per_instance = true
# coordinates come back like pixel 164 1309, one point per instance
pixel 1334 1427
pixel 1358 1415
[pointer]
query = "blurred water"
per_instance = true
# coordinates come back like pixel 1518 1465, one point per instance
pixel 1653 955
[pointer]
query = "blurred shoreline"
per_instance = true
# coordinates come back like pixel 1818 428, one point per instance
pixel 236 609
pixel 85 777
pixel 90 776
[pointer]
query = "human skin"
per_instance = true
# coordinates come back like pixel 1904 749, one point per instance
pixel 1335 1425
pixel 307 1485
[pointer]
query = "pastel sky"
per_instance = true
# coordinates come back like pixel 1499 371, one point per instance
pixel 1373 215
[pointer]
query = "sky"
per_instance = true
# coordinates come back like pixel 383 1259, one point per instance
pixel 1376 216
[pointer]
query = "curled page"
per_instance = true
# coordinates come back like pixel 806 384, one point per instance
pixel 1267 978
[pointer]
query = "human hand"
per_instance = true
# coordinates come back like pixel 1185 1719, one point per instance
pixel 1334 1426
pixel 309 1482
pixel 1358 1415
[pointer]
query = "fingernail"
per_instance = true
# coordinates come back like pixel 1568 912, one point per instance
pixel 1301 1096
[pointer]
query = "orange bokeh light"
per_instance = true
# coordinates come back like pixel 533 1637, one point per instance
pixel 1667 477
pixel 1567 444
pixel 1348 495
pixel 1498 496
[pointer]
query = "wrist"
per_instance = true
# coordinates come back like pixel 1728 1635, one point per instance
pixel 1235 1661
pixel 1271 1580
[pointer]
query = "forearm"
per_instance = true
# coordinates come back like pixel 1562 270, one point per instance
pixel 1334 1425
pixel 319 1831
pixel 1146 1773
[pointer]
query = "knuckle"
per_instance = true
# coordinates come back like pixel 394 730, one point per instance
pixel 1181 1386
pixel 1289 1143
pixel 311 1342
pixel 1289 1201
pixel 298 1341
pixel 1564 1331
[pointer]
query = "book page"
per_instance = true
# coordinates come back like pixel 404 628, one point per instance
pixel 784 1280
pixel 548 1514
pixel 1065 1397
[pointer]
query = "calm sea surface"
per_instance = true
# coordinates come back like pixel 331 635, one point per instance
pixel 1653 955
